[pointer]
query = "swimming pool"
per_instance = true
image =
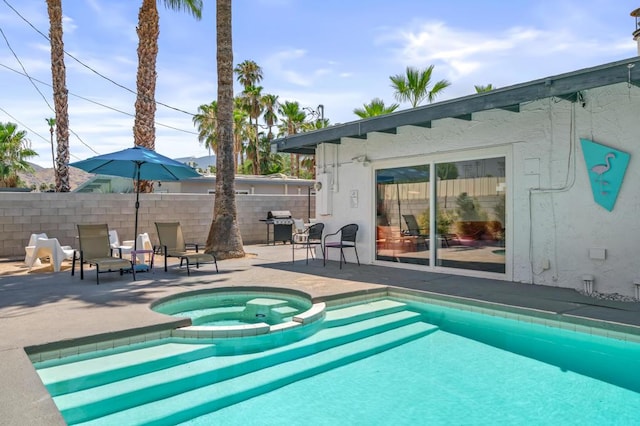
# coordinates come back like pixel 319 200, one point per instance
pixel 402 359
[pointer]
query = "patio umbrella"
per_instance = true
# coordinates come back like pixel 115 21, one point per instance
pixel 137 163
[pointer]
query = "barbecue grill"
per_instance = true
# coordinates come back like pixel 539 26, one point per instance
pixel 282 225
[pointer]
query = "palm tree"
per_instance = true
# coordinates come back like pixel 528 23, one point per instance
pixel 60 95
pixel 374 108
pixel 15 150
pixel 253 101
pixel 293 119
pixel 148 31
pixel 224 238
pixel 206 122
pixel 51 122
pixel 144 132
pixel 249 75
pixel 413 86
pixel 270 106
pixel 242 130
pixel 481 89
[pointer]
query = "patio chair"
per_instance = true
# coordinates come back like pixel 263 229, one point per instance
pixel 114 243
pixel 41 246
pixel 346 239
pixel 414 230
pixel 96 250
pixel 172 244
pixel 312 236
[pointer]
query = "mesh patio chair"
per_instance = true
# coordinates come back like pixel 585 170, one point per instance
pixel 172 244
pixel 95 250
pixel 346 239
pixel 312 236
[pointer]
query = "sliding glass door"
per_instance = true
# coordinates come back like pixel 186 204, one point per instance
pixel 466 229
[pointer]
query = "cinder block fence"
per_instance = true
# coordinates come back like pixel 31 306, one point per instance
pixel 57 214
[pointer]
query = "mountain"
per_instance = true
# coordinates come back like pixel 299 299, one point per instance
pixel 47 176
pixel 200 162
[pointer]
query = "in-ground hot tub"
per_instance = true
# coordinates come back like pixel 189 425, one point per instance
pixel 240 311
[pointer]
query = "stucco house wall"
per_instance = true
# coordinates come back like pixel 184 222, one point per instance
pixel 552 218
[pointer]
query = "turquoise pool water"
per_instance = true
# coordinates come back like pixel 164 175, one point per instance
pixel 381 362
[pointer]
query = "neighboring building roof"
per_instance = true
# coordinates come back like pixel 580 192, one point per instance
pixel 278 179
pixel 566 86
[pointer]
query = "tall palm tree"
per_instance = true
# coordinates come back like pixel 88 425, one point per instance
pixel 374 108
pixel 242 130
pixel 60 94
pixel 414 86
pixel 249 74
pixel 148 29
pixel 224 238
pixel 270 107
pixel 15 150
pixel 292 122
pixel 206 122
pixel 51 122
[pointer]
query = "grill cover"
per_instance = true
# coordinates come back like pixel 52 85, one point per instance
pixel 279 214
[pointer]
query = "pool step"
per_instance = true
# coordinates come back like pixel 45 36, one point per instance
pixel 144 388
pixel 349 314
pixel 194 403
pixel 112 367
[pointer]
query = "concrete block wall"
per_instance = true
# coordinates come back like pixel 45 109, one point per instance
pixel 57 214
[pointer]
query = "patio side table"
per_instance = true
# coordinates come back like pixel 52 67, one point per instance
pixel 142 266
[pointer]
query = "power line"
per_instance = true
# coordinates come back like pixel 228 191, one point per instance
pixel 97 103
pixel 24 125
pixel 90 68
pixel 37 89
pixel 23 69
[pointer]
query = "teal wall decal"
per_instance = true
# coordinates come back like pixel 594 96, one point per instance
pixel 606 167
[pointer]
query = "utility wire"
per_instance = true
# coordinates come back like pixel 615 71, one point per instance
pixel 31 130
pixel 96 102
pixel 38 90
pixel 24 125
pixel 90 68
pixel 23 69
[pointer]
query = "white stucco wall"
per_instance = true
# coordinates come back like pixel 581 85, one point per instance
pixel 556 223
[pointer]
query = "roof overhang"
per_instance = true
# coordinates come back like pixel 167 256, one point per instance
pixel 565 86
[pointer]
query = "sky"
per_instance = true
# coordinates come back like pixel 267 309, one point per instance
pixel 335 53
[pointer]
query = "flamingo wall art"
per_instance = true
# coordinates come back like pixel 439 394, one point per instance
pixel 606 167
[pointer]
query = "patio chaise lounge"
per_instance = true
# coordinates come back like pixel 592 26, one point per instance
pixel 172 244
pixel 95 250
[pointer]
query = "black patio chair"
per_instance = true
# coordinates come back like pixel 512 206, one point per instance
pixel 347 239
pixel 312 236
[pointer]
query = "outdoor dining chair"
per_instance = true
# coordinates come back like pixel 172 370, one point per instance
pixel 96 250
pixel 346 238
pixel 172 244
pixel 312 236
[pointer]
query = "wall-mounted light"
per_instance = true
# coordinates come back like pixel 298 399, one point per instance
pixel 361 159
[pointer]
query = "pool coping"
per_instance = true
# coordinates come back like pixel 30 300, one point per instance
pixel 182 328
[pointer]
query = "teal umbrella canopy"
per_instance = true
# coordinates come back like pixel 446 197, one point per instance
pixel 137 163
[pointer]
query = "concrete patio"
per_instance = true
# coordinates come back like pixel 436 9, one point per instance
pixel 42 309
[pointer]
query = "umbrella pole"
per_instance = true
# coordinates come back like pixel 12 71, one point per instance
pixel 135 233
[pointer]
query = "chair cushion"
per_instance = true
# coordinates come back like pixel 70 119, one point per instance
pixel 110 263
pixel 192 257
